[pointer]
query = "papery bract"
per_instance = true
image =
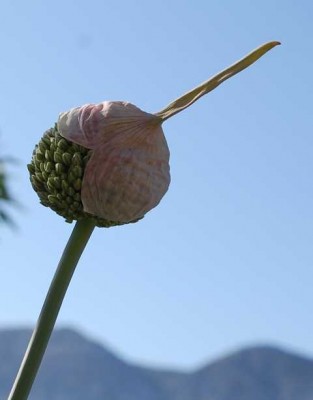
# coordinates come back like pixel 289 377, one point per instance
pixel 128 171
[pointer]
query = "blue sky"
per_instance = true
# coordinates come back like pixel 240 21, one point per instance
pixel 226 259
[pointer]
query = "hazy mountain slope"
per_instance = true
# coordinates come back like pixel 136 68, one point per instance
pixel 260 373
pixel 77 368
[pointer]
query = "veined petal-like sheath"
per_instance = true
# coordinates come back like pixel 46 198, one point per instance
pixel 128 172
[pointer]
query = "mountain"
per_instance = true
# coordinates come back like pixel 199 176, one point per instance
pixel 75 368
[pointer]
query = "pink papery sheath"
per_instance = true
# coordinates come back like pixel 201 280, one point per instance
pixel 128 171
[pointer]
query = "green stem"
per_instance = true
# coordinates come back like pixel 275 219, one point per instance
pixel 42 332
pixel 190 97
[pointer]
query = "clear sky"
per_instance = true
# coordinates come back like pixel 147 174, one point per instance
pixel 226 259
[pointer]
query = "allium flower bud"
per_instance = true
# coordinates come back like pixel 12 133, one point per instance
pixel 110 161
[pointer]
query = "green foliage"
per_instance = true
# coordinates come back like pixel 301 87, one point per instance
pixel 5 197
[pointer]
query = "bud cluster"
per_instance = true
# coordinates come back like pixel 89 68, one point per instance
pixel 56 172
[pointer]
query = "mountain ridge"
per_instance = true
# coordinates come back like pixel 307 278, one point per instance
pixel 76 367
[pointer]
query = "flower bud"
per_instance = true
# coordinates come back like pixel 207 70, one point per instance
pixel 110 161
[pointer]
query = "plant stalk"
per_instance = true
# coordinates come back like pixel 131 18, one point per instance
pixel 51 307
